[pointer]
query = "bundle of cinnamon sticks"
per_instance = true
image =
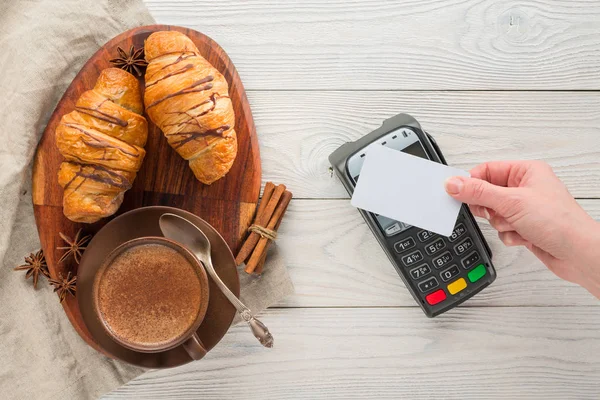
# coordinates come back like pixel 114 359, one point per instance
pixel 264 228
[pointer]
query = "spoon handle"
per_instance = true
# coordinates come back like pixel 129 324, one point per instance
pixel 260 331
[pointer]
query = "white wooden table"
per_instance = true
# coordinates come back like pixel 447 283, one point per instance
pixel 490 80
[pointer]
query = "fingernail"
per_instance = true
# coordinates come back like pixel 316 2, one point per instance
pixel 453 185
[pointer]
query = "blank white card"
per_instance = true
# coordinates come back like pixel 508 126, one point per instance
pixel 408 189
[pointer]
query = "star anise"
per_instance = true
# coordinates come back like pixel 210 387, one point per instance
pixel 132 62
pixel 35 265
pixel 65 286
pixel 75 246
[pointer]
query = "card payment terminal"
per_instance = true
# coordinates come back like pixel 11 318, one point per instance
pixel 440 272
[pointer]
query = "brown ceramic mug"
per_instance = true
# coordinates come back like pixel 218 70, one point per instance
pixel 151 295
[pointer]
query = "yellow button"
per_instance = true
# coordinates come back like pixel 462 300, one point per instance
pixel 457 286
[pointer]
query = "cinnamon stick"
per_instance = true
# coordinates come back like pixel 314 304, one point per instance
pixel 261 219
pixel 261 262
pixel 259 250
pixel 267 193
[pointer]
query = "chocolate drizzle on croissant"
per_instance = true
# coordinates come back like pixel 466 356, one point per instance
pixel 102 141
pixel 99 174
pixel 190 89
pixel 170 74
pixel 94 112
pixel 188 99
pixel 189 136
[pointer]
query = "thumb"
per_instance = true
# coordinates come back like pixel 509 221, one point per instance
pixel 475 191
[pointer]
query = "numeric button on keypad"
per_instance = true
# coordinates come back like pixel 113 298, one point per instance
pixel 449 273
pixel 435 246
pixel 420 271
pixel 404 245
pixel 412 258
pixel 425 235
pixel 463 246
pixel 428 284
pixel 442 260
pixel 470 260
pixel 459 230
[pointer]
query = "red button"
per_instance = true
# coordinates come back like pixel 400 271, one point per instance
pixel 436 297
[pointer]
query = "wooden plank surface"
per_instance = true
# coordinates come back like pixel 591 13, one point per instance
pixel 393 353
pixel 298 130
pixel 322 73
pixel 335 261
pixel 410 44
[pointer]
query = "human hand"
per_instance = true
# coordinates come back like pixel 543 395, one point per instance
pixel 529 206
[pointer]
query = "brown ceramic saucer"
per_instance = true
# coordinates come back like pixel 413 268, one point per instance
pixel 144 222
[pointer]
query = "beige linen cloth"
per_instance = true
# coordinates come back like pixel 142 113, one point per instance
pixel 43 44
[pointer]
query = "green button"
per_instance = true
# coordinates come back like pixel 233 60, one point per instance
pixel 477 273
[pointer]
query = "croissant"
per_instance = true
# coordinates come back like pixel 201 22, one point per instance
pixel 102 142
pixel 188 99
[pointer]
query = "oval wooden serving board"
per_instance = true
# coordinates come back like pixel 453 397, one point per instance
pixel 164 179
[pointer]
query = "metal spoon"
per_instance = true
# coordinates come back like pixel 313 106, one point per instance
pixel 185 232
